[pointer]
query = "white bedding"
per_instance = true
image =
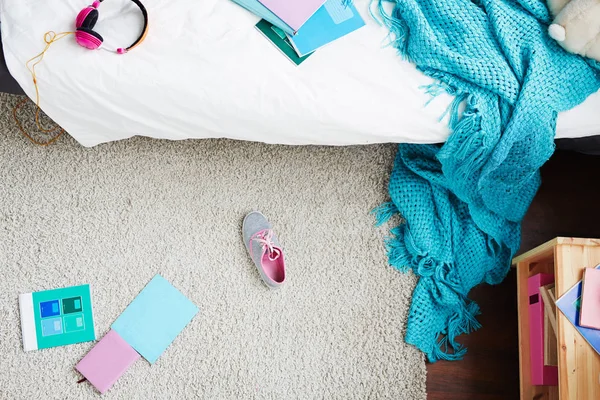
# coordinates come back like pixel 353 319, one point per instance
pixel 204 71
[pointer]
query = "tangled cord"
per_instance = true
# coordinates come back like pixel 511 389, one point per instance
pixel 49 37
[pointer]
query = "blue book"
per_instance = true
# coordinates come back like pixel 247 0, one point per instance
pixel 570 304
pixel 256 8
pixel 154 318
pixel 332 21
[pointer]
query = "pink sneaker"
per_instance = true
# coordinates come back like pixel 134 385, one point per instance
pixel 264 249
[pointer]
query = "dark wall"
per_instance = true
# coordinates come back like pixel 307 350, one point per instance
pixel 7 83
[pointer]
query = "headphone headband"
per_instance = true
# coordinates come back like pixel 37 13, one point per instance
pixel 142 36
pixel 87 18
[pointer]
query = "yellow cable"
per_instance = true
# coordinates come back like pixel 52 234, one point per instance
pixel 49 37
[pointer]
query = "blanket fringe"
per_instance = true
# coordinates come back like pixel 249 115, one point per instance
pixel 461 321
pixel 398 255
pixel 384 212
pixel 396 24
pixel 404 256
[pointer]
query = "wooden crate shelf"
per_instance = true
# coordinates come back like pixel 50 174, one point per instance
pixel 578 363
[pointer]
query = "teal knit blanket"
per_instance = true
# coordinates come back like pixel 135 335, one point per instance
pixel 462 202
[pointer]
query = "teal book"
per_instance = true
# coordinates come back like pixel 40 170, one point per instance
pixel 280 40
pixel 258 9
pixel 154 318
pixel 57 317
pixel 336 18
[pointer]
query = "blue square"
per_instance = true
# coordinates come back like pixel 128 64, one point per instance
pixel 49 308
pixel 52 326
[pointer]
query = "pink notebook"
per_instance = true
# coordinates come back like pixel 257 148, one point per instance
pixel 107 361
pixel 589 315
pixel 293 12
pixel 540 374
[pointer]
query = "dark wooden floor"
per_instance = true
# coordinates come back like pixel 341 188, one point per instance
pixel 567 204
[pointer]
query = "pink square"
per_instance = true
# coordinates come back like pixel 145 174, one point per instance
pixel 107 361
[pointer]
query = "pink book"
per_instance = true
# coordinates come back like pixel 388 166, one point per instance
pixel 540 374
pixel 293 12
pixel 107 361
pixel 589 315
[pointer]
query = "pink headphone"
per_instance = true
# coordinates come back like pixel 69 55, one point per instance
pixel 90 39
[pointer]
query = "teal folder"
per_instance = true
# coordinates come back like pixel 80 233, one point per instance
pixel 154 318
pixel 256 8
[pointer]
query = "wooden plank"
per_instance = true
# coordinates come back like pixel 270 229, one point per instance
pixel 545 249
pixel 549 306
pixel 573 241
pixel 550 341
pixel 539 252
pixel 579 364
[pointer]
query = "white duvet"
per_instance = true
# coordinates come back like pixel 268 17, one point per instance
pixel 205 72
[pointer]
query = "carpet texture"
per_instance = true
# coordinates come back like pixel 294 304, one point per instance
pixel 115 215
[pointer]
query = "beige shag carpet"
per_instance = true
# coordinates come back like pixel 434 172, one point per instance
pixel 115 215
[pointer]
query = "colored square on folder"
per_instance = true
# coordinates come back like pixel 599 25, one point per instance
pixel 71 305
pixel 154 318
pixel 51 326
pixel 74 322
pixel 107 361
pixel 49 308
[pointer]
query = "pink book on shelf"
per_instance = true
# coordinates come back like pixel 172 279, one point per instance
pixel 293 12
pixel 589 316
pixel 540 374
pixel 107 361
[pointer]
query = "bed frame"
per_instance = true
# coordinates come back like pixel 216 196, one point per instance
pixel 7 82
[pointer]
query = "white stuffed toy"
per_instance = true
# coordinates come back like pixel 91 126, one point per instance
pixel 576 26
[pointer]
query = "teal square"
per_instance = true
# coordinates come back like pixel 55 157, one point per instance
pixel 74 322
pixel 71 305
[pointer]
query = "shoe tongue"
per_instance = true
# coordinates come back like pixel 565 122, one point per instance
pixel 274 255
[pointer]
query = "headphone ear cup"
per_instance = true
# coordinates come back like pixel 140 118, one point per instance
pixel 88 38
pixel 90 19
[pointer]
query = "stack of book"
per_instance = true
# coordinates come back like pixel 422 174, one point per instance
pixel 299 27
pixel 580 305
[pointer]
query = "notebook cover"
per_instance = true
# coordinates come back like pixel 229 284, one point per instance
pixel 256 8
pixel 332 21
pixel 154 318
pixel 279 39
pixel 569 304
pixel 590 299
pixel 293 12
pixel 107 361
pixel 56 317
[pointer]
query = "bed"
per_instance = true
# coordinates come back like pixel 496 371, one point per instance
pixel 205 72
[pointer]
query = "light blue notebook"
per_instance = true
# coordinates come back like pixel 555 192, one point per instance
pixel 332 21
pixel 154 318
pixel 256 8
